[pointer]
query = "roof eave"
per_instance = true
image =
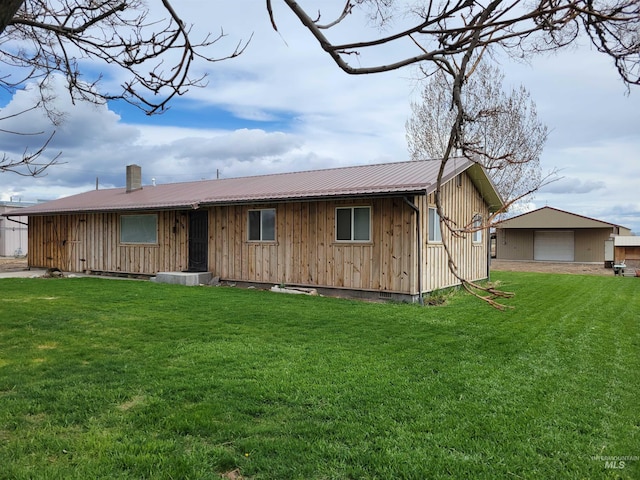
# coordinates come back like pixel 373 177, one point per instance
pixel 222 202
pixel 315 198
pixel 137 208
pixel 481 181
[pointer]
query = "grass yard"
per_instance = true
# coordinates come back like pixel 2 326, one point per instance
pixel 121 379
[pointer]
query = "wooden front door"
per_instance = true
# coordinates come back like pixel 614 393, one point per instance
pixel 198 240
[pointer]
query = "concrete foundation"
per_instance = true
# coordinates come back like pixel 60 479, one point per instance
pixel 183 278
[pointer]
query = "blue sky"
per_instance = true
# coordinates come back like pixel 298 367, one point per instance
pixel 190 114
pixel 284 106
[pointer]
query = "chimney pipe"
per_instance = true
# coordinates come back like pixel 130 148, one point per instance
pixel 134 178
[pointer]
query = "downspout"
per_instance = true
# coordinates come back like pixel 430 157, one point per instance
pixel 17 221
pixel 419 233
pixel 488 245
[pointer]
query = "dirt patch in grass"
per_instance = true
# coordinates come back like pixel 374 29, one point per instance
pixel 551 267
pixel 233 475
pixel 37 418
pixel 137 400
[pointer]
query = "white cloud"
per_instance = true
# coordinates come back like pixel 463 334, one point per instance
pixel 80 125
pixel 572 185
pixel 330 118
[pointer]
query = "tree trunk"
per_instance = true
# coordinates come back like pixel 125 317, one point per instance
pixel 8 9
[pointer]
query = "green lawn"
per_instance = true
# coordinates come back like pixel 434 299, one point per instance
pixel 124 379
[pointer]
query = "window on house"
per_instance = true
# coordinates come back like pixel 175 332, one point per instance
pixel 435 235
pixel 139 229
pixel 262 225
pixel 476 236
pixel 353 224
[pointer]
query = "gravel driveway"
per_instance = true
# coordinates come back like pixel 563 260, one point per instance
pixel 551 267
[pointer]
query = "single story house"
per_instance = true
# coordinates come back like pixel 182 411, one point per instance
pixel 369 230
pixel 550 234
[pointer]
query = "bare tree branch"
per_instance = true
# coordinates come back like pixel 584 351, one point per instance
pixel 447 29
pixel 500 130
pixel 8 9
pixel 46 37
pixel 29 165
pixel 451 37
pixel 40 38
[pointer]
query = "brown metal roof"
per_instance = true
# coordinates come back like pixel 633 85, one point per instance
pixel 365 180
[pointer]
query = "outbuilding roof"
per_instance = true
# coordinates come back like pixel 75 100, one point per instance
pixel 626 241
pixel 401 178
pixel 549 217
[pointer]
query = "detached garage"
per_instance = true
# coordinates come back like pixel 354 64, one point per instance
pixel 552 235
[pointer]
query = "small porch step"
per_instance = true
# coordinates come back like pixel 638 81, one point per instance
pixel 183 278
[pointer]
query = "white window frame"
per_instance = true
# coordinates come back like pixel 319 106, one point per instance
pixel 262 225
pixel 352 238
pixel 476 235
pixel 139 237
pixel 435 232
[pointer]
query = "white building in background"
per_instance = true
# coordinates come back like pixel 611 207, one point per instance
pixel 13 231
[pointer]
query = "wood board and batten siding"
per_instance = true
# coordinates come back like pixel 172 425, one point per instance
pixel 627 251
pixel 461 202
pixel 299 245
pixel 91 243
pixel 305 250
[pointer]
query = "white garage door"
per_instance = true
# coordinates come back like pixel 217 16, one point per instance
pixel 553 245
